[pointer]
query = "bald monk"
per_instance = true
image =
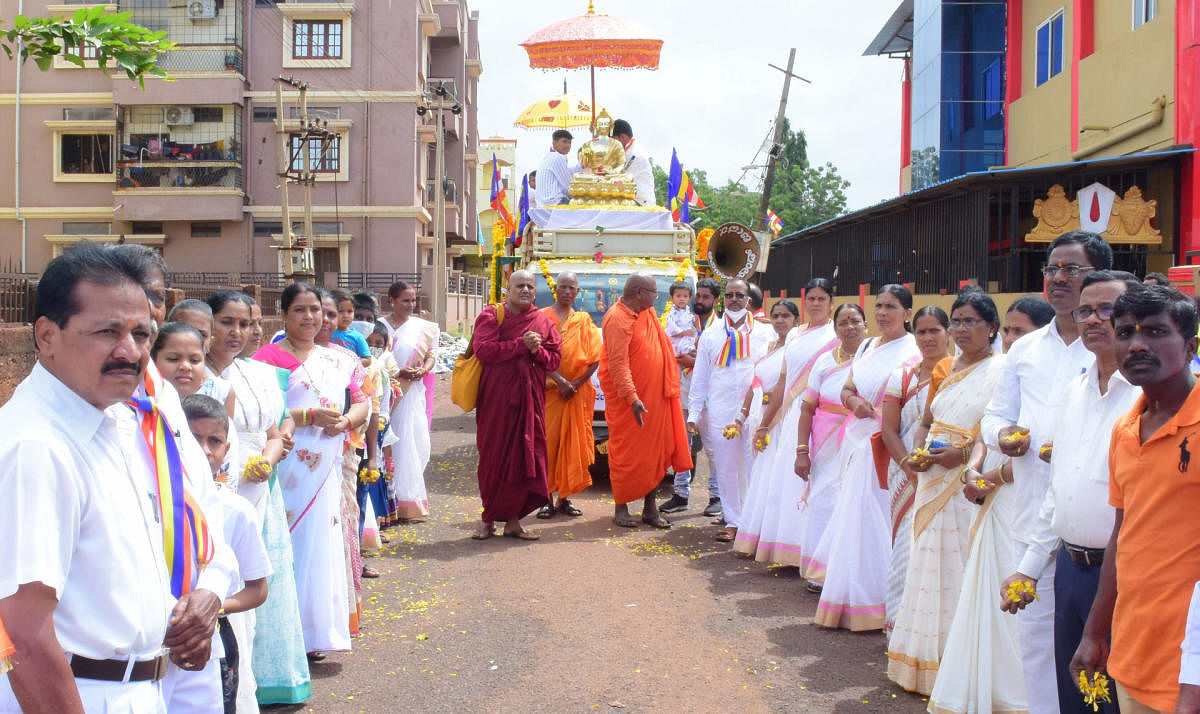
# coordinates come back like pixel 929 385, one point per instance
pixel 570 399
pixel 517 345
pixel 641 386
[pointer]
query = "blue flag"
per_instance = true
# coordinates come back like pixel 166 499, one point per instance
pixel 523 209
pixel 675 181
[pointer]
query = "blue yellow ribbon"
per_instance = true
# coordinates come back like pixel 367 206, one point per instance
pixel 737 346
pixel 187 542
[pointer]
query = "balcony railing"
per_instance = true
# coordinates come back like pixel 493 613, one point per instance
pixel 203 58
pixel 178 174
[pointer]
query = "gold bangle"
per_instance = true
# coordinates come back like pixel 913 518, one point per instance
pixel 802 449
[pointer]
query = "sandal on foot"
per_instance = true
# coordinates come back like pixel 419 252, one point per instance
pixel 522 535
pixel 546 511
pixel 725 535
pixel 569 509
pixel 483 534
pixel 658 522
pixel 369 572
pixel 315 656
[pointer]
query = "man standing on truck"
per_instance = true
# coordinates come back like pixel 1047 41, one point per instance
pixel 553 174
pixel 641 385
pixel 637 163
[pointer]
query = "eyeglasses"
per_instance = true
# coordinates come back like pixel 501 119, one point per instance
pixel 966 323
pixel 735 296
pixel 1082 313
pixel 1071 271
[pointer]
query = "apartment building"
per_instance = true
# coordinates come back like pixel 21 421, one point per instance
pixel 191 166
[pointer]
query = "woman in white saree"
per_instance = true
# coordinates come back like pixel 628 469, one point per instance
pixel 775 493
pixel 262 424
pixel 857 544
pixel 319 389
pixel 903 407
pixel 960 390
pixel 413 340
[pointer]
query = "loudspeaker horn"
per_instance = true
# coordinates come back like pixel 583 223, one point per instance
pixel 733 252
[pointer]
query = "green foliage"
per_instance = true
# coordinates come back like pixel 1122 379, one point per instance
pixel 130 47
pixel 802 195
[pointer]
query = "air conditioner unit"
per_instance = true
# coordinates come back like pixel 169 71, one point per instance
pixel 202 9
pixel 176 116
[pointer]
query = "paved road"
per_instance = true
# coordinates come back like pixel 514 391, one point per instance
pixel 592 617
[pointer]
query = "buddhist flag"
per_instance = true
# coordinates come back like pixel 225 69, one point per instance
pixel 499 201
pixel 523 209
pixel 681 194
pixel 774 223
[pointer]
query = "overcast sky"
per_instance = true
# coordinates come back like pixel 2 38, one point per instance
pixel 713 96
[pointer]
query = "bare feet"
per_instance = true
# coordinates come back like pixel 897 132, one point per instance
pixel 622 517
pixel 650 514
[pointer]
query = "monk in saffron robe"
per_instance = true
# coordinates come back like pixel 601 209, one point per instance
pixel 641 387
pixel 570 399
pixel 517 346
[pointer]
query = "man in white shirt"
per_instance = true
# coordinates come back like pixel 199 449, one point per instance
pixel 725 357
pixel 553 173
pixel 183 690
pixel 83 570
pixel 1038 367
pixel 637 163
pixel 1189 663
pixel 1076 514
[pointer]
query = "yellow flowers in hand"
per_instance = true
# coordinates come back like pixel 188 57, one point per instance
pixel 1016 436
pixel 731 431
pixel 982 484
pixel 919 456
pixel 256 469
pixel 369 476
pixel 1021 587
pixel 763 443
pixel 1096 691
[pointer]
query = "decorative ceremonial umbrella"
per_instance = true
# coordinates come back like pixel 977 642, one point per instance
pixel 560 112
pixel 592 41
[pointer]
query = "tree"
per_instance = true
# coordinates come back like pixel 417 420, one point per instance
pixel 116 41
pixel 802 195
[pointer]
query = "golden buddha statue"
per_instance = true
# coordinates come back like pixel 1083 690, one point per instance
pixel 602 182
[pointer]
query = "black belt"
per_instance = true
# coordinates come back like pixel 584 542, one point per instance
pixel 1087 557
pixel 113 670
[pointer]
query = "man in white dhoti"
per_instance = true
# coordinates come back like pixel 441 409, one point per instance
pixel 725 357
pixel 1076 519
pixel 1039 367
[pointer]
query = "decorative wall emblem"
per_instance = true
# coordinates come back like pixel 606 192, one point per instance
pixel 1129 221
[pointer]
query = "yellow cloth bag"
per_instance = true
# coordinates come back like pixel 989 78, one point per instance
pixel 464 382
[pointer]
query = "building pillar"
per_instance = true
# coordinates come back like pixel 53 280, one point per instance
pixel 905 120
pixel 1083 43
pixel 1187 121
pixel 1014 19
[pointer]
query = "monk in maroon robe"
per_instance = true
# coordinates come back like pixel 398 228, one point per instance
pixel 518 346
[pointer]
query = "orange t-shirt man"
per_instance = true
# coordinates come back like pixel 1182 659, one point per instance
pixel 1157 485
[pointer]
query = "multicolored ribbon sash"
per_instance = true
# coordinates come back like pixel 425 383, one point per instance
pixel 737 346
pixel 187 542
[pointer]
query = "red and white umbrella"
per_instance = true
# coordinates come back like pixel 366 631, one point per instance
pixel 593 40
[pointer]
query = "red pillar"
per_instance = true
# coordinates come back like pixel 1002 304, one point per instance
pixel 1012 62
pixel 905 119
pixel 1083 42
pixel 1187 121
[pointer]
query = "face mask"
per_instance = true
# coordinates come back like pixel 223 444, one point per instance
pixel 376 352
pixel 735 315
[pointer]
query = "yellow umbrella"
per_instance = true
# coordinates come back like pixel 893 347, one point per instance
pixel 558 112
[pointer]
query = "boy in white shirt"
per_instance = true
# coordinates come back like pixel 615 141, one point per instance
pixel 243 532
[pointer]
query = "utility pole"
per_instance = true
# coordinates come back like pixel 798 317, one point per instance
pixel 437 101
pixel 760 222
pixel 296 255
